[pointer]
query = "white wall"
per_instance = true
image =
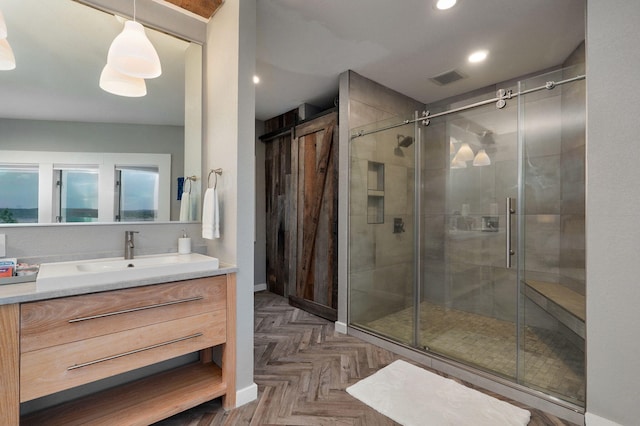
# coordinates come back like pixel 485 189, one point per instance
pixel 193 125
pixel 229 144
pixel 613 212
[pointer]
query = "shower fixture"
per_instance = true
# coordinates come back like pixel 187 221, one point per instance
pixel 404 141
pixel 486 137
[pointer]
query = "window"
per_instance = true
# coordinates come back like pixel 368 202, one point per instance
pixel 137 191
pixel 77 195
pixel 18 194
pixel 79 187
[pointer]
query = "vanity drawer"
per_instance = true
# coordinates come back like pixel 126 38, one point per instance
pixel 57 321
pixel 61 367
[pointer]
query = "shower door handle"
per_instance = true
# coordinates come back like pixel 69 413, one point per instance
pixel 509 210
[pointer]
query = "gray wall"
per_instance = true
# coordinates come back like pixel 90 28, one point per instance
pixel 613 212
pixel 59 242
pixel 67 136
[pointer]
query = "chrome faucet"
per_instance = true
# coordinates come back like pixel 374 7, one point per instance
pixel 128 244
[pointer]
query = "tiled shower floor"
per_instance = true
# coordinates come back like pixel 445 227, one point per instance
pixel 552 364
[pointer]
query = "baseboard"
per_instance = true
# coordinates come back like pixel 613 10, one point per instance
pixel 246 395
pixel 341 327
pixel 591 419
pixel 259 287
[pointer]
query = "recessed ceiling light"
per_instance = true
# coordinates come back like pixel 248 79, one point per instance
pixel 478 56
pixel 445 4
pixel 256 79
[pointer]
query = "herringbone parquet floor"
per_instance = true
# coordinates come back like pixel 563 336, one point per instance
pixel 302 368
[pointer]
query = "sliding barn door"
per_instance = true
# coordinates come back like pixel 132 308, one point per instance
pixel 314 160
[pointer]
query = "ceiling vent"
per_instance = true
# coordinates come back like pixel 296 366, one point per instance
pixel 447 78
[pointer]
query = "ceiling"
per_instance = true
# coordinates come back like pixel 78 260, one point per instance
pixel 302 48
pixel 60 51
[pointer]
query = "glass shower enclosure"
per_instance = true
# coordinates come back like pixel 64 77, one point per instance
pixel 467 233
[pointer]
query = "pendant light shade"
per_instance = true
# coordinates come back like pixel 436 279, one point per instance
pixel 132 53
pixel 7 60
pixel 457 163
pixel 465 153
pixel 120 84
pixel 3 27
pixel 452 146
pixel 481 159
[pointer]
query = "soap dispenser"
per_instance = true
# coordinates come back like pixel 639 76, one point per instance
pixel 184 243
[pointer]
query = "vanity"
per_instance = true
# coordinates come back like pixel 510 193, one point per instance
pixel 58 338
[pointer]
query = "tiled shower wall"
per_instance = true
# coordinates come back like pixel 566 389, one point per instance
pixel 572 159
pixel 381 261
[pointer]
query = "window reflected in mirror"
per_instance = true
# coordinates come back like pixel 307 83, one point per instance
pixel 76 195
pixel 136 194
pixel 18 194
pixel 59 187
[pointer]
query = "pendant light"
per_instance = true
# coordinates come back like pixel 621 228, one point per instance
pixel 132 53
pixel 120 84
pixel 457 163
pixel 7 59
pixel 465 153
pixel 481 159
pixel 3 27
pixel 452 146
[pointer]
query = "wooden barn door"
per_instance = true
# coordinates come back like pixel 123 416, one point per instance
pixel 301 182
pixel 315 288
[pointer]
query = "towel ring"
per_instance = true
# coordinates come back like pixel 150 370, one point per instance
pixel 218 172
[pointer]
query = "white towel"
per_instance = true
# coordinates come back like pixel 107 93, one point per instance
pixel 210 215
pixel 185 207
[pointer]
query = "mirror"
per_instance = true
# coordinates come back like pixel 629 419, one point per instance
pixel 53 115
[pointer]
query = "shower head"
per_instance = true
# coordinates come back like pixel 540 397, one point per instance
pixel 404 141
pixel 486 137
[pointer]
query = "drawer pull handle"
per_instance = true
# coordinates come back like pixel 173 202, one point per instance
pixel 141 308
pixel 135 351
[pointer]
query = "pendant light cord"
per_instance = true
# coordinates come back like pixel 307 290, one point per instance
pixel 134 10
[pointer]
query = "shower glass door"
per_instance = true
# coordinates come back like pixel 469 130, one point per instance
pixel 552 272
pixel 468 296
pixel 431 265
pixel 382 232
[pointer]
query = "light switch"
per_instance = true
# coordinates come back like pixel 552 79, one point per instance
pixel 3 245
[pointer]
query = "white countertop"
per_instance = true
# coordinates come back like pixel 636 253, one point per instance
pixel 28 292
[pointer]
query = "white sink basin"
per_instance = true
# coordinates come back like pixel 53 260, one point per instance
pixel 111 270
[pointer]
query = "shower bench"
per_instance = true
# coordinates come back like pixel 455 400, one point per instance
pixel 560 302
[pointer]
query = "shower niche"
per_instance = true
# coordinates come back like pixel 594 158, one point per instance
pixel 375 193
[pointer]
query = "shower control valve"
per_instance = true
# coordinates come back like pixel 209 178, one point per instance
pixel 398 225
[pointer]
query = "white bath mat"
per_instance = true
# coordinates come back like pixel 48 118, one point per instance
pixel 413 396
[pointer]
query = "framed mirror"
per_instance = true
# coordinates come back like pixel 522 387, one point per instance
pixel 70 151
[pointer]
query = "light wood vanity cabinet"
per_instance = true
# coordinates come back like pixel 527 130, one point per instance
pixel 63 343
